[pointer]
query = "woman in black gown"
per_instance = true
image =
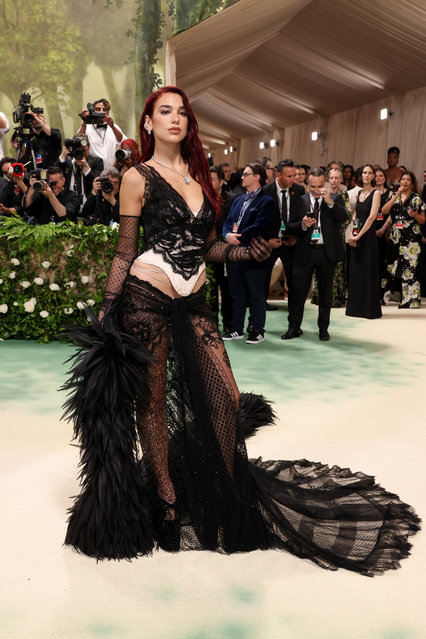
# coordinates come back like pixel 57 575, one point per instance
pixel 363 282
pixel 154 372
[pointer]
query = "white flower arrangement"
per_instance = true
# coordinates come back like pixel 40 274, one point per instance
pixel 25 284
pixel 12 275
pixel 15 262
pixel 54 287
pixel 84 279
pixel 80 305
pixel 68 311
pixel 4 308
pixel 45 264
pixel 44 314
pixel 39 281
pixel 30 305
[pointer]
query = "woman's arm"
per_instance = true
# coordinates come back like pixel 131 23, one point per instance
pixel 131 201
pixel 218 251
pixel 386 208
pixel 368 222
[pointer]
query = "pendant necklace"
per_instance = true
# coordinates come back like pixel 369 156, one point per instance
pixel 184 175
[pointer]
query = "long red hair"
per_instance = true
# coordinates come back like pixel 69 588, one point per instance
pixel 191 148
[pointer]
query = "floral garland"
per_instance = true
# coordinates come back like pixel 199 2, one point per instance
pixel 48 274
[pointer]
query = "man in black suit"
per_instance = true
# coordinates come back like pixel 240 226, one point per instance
pixel 79 167
pixel 318 248
pixel 283 231
pixel 52 202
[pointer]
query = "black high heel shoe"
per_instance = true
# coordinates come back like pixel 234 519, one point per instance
pixel 167 529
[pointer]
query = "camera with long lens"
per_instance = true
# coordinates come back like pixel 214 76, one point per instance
pixel 76 147
pixel 106 185
pixel 121 155
pixel 23 116
pixel 92 117
pixel 41 184
pixel 42 179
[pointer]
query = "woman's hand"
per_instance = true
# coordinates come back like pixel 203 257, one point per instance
pixel 411 213
pixel 352 240
pixel 260 249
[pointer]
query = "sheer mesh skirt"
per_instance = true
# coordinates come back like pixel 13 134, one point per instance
pixel 191 453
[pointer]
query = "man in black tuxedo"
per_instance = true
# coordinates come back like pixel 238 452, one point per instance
pixel 283 231
pixel 79 167
pixel 318 248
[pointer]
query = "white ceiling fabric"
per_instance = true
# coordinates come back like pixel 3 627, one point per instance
pixel 266 65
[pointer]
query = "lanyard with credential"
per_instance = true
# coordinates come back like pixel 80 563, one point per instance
pixel 243 209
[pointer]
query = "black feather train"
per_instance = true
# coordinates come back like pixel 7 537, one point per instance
pixel 111 518
pixel 254 411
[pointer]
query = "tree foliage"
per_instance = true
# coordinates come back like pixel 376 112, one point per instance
pixel 41 50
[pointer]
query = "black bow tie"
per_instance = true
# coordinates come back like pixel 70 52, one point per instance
pixel 101 126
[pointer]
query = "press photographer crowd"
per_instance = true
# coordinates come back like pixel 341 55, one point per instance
pixel 78 179
pixel 353 238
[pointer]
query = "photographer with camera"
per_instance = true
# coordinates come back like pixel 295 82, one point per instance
pixel 47 200
pixel 102 206
pixel 12 186
pixel 79 167
pixel 103 134
pixel 126 156
pixel 4 128
pixel 38 137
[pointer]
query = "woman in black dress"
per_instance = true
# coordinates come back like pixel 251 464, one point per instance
pixel 153 372
pixel 363 283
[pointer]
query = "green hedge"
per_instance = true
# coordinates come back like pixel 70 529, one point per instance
pixel 47 272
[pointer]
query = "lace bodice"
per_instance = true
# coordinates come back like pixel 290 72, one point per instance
pixel 170 229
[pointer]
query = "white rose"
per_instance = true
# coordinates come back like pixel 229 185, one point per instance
pixel 29 306
pixel 84 279
pixel 69 252
pixel 113 226
pixel 54 287
pixel 4 308
pixel 15 304
pixel 15 262
pixel 44 314
pixel 90 302
pixel 80 305
pixel 12 275
pixel 70 284
pixel 38 280
pixel 25 284
pixel 1 281
pixel 45 264
pixel 68 311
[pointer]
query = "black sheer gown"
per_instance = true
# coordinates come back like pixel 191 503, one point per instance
pixel 363 281
pixel 155 376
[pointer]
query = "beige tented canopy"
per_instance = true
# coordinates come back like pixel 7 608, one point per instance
pixel 265 69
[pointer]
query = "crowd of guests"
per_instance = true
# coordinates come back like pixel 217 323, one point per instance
pixel 354 238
